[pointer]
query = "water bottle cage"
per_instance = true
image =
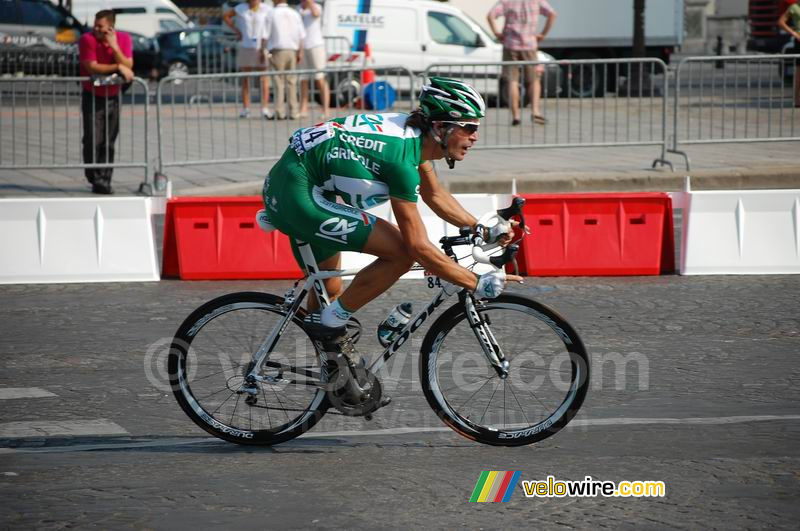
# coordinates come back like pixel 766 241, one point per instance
pixel 390 328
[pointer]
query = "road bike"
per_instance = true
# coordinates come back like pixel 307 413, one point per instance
pixel 506 371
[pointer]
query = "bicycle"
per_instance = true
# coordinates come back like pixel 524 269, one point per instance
pixel 272 383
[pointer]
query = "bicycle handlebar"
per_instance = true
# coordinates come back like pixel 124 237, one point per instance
pixel 475 238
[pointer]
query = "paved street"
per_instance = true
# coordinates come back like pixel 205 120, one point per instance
pixel 695 383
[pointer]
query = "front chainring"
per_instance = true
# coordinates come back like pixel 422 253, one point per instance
pixel 349 406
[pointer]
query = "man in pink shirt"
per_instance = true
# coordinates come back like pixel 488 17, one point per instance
pixel 103 52
pixel 520 38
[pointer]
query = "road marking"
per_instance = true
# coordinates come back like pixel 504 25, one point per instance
pixel 59 428
pixel 388 431
pixel 11 393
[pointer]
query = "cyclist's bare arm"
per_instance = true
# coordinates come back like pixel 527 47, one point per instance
pixel 444 204
pixel 423 251
pixel 440 200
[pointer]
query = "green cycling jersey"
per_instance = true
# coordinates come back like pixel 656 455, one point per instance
pixel 364 159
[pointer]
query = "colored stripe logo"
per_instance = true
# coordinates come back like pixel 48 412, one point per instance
pixel 360 36
pixel 494 486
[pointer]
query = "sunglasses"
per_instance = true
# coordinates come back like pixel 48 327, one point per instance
pixel 469 127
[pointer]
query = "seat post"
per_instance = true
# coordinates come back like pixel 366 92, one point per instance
pixel 310 263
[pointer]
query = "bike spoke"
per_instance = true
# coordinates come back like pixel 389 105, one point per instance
pixel 457 386
pixel 537 399
pixel 488 404
pixel 202 398
pixel 520 405
pixel 476 391
pixel 264 394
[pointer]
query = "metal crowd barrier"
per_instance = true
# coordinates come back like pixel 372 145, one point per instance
pixel 16 60
pixel 744 98
pixel 218 55
pixel 587 103
pixel 337 46
pixel 41 125
pixel 199 123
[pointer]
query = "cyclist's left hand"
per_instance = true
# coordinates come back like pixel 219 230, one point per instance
pixel 502 233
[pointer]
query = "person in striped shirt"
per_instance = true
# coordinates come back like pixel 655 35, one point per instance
pixel 792 14
pixel 521 37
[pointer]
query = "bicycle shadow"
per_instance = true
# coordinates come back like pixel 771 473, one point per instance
pixel 213 446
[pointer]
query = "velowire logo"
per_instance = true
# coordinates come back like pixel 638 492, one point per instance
pixel 494 486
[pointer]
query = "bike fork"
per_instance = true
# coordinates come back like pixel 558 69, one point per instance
pixel 483 333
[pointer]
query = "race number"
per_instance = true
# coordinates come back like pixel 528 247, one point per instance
pixel 305 139
pixel 432 280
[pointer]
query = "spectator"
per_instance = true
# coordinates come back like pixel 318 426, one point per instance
pixel 793 29
pixel 286 51
pixel 102 52
pixel 251 22
pixel 520 38
pixel 313 56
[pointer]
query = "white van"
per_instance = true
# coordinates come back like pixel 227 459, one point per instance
pixel 412 33
pixel 145 17
pixel 416 34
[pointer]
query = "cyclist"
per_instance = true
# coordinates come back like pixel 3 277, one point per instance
pixel 367 159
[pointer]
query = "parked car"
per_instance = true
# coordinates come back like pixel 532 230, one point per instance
pixel 210 49
pixel 31 22
pixel 145 55
pixel 145 17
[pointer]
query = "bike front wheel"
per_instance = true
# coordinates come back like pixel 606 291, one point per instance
pixel 548 374
pixel 212 353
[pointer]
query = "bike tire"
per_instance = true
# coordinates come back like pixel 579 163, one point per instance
pixel 204 373
pixel 517 323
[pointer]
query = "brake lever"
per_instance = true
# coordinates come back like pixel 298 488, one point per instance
pixel 508 255
pixel 515 209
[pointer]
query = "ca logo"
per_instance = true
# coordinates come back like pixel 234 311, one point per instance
pixel 336 229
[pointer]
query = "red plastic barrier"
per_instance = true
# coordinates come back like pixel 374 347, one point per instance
pixel 598 235
pixel 216 238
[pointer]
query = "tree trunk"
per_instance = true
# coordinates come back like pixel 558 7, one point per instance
pixel 639 82
pixel 638 28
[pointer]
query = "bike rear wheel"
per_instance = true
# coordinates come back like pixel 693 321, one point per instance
pixel 210 356
pixel 548 372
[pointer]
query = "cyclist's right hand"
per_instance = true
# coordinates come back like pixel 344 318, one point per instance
pixel 491 284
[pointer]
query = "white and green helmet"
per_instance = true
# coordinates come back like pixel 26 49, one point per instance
pixel 447 99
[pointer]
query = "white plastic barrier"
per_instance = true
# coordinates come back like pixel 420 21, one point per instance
pixel 76 240
pixel 475 204
pixel 741 232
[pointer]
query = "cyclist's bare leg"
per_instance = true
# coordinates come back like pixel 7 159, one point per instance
pixel 333 286
pixel 387 244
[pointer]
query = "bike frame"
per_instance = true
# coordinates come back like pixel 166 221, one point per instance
pixel 314 280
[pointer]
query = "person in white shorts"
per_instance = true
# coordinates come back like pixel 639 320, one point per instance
pixel 314 57
pixel 251 22
pixel 286 36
